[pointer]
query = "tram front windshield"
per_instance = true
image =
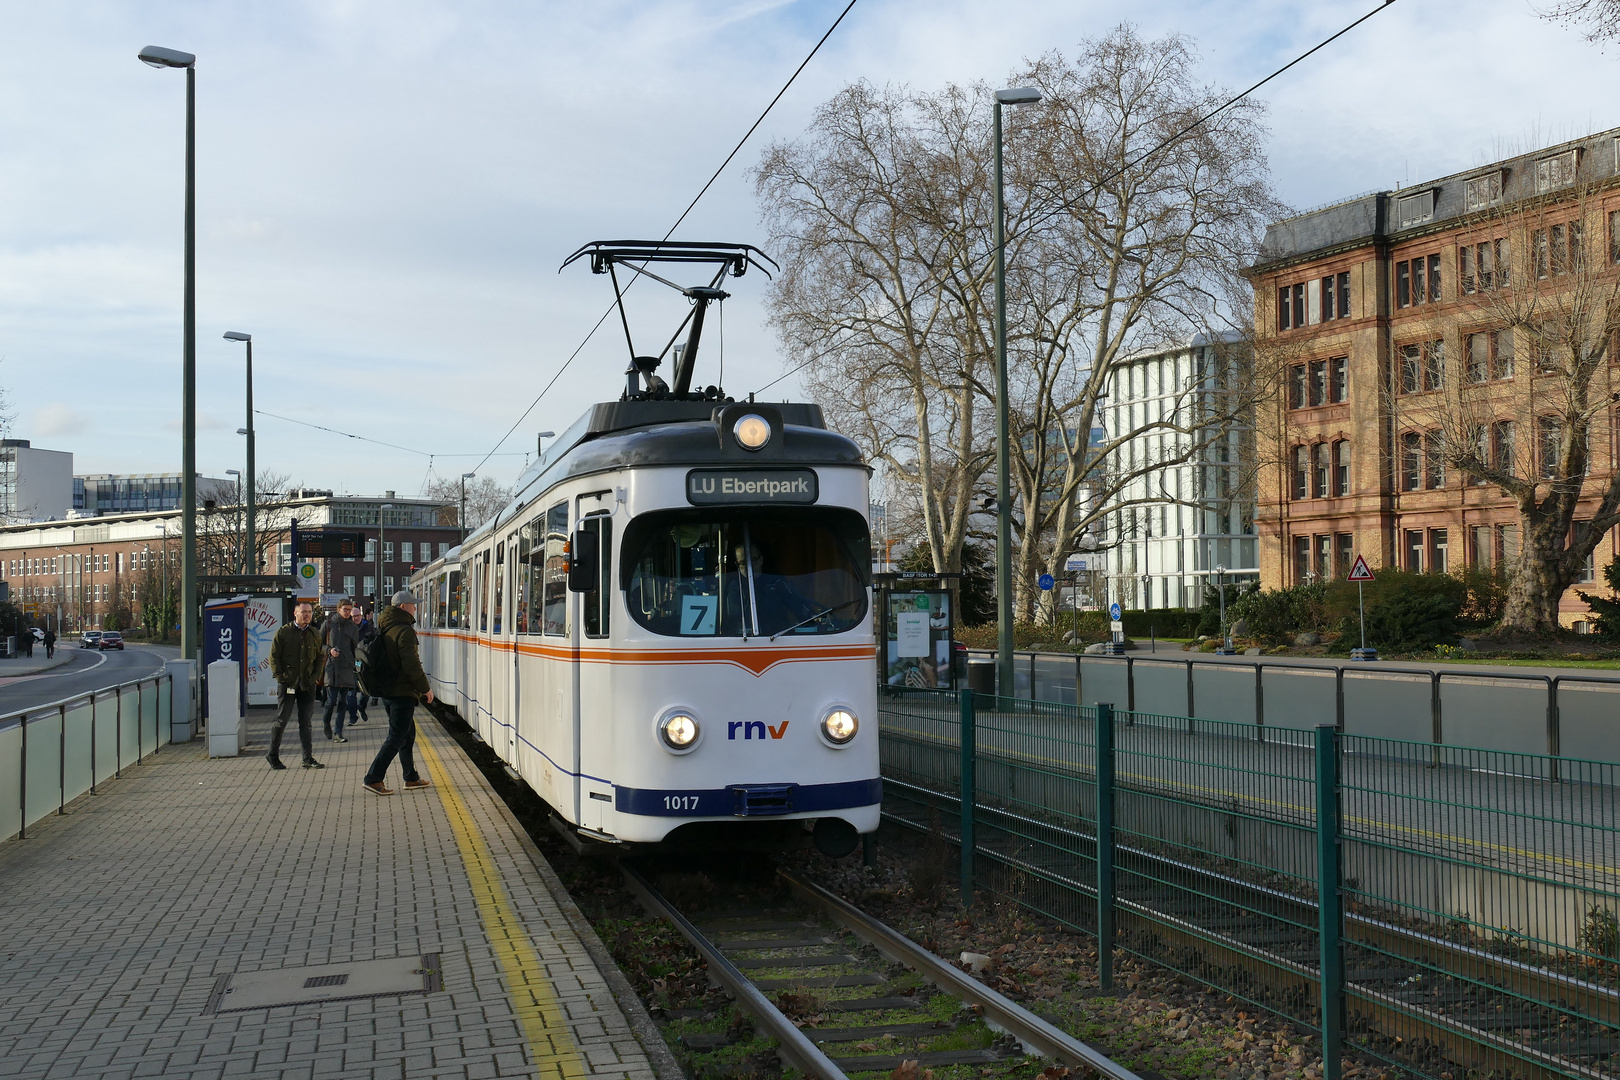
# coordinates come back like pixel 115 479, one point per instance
pixel 747 573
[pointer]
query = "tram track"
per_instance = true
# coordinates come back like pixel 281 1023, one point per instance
pixel 874 990
pixel 1473 1008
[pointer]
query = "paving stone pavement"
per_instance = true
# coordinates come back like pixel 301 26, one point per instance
pixel 121 915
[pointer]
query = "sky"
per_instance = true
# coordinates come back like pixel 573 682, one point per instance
pixel 385 190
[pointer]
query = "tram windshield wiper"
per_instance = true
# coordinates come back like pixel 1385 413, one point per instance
pixel 813 618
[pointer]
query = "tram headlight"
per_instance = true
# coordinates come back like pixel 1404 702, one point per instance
pixel 752 431
pixel 679 730
pixel 839 726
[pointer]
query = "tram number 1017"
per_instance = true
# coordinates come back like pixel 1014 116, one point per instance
pixel 680 802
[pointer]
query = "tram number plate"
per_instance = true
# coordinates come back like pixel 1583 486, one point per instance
pixel 680 802
pixel 705 486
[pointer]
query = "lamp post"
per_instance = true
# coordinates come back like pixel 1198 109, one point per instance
pixel 540 442
pixel 1226 636
pixel 253 556
pixel 1021 96
pixel 462 520
pixel 377 609
pixel 238 474
pixel 159 57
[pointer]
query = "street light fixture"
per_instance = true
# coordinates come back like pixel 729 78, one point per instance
pixel 159 57
pixel 252 511
pixel 1226 648
pixel 1027 95
pixel 377 603
pixel 462 520
pixel 540 442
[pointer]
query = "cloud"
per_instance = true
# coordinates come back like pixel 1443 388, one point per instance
pixel 54 419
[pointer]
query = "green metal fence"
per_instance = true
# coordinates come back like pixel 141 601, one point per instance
pixel 1461 904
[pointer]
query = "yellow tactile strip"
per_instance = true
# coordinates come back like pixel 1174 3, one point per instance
pixel 533 998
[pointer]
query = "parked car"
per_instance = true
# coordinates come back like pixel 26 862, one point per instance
pixel 111 639
pixel 90 639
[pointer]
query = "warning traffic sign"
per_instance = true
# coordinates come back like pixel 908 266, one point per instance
pixel 1360 571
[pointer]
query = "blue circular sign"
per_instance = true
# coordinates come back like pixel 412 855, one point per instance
pixel 1046 581
pixel 1113 611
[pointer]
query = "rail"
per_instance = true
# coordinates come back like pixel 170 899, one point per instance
pixel 1473 913
pixel 51 754
pixel 1514 712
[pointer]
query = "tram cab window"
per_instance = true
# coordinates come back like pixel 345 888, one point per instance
pixel 554 583
pixel 455 599
pixel 747 572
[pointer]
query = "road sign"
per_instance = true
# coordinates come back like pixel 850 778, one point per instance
pixel 1113 611
pixel 1046 581
pixel 1074 562
pixel 1360 571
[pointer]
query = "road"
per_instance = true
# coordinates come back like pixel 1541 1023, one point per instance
pixel 88 670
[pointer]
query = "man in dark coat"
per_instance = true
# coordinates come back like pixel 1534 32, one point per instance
pixel 406 683
pixel 340 638
pixel 50 642
pixel 296 663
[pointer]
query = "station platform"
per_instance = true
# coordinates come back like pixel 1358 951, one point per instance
pixel 215 918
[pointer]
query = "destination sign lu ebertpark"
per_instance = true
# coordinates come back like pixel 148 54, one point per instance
pixel 704 486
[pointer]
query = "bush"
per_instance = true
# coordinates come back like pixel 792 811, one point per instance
pixel 1275 617
pixel 1093 627
pixel 1406 612
pixel 1165 622
pixel 1209 616
pixel 1606 608
pixel 1487 596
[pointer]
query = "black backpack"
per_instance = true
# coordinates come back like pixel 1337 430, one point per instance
pixel 373 666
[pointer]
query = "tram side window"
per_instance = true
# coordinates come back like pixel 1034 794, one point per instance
pixel 554 585
pixel 531 568
pixel 480 583
pixel 456 592
pixel 500 586
pixel 594 605
pixel 439 601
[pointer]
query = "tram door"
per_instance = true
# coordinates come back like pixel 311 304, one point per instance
pixel 514 629
pixel 589 578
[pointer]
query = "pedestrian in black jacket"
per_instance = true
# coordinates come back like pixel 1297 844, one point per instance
pixel 406 683
pixel 296 660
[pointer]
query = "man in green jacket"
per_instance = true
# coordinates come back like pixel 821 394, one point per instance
pixel 406 683
pixel 296 659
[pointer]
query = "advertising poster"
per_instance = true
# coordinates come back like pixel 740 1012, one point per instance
pixel 261 618
pixel 918 639
pixel 223 637
pixel 309 581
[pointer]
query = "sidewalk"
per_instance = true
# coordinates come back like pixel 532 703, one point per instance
pixel 10 667
pixel 132 921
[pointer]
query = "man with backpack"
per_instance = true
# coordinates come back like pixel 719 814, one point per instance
pixel 296 660
pixel 391 668
pixel 341 636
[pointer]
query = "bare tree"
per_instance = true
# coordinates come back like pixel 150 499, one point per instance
pixel 222 530
pixel 485 496
pixel 883 214
pixel 1599 20
pixel 1530 390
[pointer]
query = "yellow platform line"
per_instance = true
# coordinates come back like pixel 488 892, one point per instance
pixel 551 1046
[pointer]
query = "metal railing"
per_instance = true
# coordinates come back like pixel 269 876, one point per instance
pixel 53 753
pixel 1512 712
pixel 1440 908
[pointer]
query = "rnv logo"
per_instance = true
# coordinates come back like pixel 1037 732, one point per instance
pixel 749 727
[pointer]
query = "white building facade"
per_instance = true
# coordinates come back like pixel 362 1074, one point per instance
pixel 35 485
pixel 1184 519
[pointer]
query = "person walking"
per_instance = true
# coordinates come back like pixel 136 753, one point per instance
pixel 295 661
pixel 365 632
pixel 342 635
pixel 50 643
pixel 404 683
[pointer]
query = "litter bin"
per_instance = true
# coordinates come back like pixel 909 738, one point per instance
pixel 981 675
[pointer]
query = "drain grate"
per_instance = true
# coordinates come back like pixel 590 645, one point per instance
pixel 238 991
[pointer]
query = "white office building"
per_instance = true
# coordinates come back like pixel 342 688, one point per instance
pixel 35 485
pixel 1191 517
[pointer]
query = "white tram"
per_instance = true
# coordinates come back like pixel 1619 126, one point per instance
pixel 668 633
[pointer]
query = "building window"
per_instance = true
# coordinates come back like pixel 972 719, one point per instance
pixel 1481 546
pixel 1300 471
pixel 348 585
pixel 407 551
pixel 1414 550
pixel 1557 250
pixel 1483 191
pixel 1339 378
pixel 371 549
pixel 1423 366
pixel 388 551
pixel 1290 306
pixel 1556 171
pixel 1434 473
pixel 1415 209
pixel 1318 382
pixel 1486 266
pixel 1347 554
pixel 388 585
pixel 1302 559
pixel 1502 446
pixel 1341 467
pixel 1507 545
pixel 370 585
pixel 1489 355
pixel 1417 281
pixel 1614 230
pixel 1298 379
pixel 1437 551
pixel 444 549
pixel 1324 557
pixel 1411 461
pixel 1320 470
pixel 1549 440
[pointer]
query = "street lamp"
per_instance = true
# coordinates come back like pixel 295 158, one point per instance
pixel 377 608
pixel 1022 96
pixel 238 474
pixel 540 442
pixel 1226 648
pixel 159 57
pixel 462 520
pixel 247 339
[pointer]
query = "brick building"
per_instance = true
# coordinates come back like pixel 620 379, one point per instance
pixel 70 574
pixel 1391 325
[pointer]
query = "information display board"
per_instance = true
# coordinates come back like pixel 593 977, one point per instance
pixel 223 639
pixel 919 626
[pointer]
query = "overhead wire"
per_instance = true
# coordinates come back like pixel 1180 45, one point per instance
pixel 1167 141
pixel 364 438
pixel 684 213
